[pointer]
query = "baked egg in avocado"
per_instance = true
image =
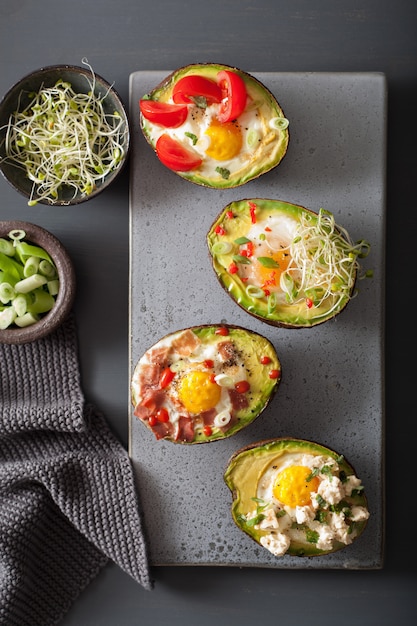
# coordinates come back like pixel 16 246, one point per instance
pixel 282 263
pixel 296 497
pixel 214 125
pixel 204 383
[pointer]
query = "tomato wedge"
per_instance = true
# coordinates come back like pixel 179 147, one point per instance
pixel 196 89
pixel 163 113
pixel 234 96
pixel 176 156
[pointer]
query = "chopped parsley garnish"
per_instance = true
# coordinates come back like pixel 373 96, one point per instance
pixel 224 172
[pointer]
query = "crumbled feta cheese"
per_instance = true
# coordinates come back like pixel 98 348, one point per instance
pixel 270 520
pixel 277 543
pixel 304 514
pixel 331 489
pixel 340 528
pixel 326 535
pixel 352 482
pixel 359 514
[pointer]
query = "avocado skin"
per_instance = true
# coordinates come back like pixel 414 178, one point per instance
pixel 285 316
pixel 256 88
pixel 246 466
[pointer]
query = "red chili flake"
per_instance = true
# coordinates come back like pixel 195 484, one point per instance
pixel 213 379
pixel 230 215
pixel 266 292
pixel 244 279
pixel 274 374
pixel 242 386
pixel 309 302
pixel 252 209
pixel 208 363
pixel 222 330
pixel 247 249
pixel 265 359
pixel 233 268
pixel 268 229
pixel 219 230
pixel 162 415
pixel 207 430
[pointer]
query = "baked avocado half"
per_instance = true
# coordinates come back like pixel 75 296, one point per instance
pixel 214 125
pixel 283 263
pixel 204 383
pixel 296 497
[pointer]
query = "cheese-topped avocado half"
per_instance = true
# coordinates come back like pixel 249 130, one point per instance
pixel 296 497
pixel 214 125
pixel 282 263
pixel 204 383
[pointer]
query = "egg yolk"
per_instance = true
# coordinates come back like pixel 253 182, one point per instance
pixel 225 140
pixel 292 487
pixel 198 392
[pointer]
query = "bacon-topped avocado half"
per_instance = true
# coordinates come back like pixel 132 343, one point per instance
pixel 204 383
pixel 214 125
pixel 284 264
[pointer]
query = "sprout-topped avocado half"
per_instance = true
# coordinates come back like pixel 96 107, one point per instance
pixel 284 264
pixel 296 497
pixel 214 125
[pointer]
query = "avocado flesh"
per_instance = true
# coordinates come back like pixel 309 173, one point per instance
pixel 287 315
pixel 247 466
pixel 271 148
pixel 251 346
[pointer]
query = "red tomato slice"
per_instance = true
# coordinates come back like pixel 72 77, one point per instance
pixel 190 88
pixel 234 95
pixel 175 156
pixel 163 113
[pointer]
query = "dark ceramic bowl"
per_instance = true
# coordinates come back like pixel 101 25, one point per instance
pixel 18 98
pixel 67 283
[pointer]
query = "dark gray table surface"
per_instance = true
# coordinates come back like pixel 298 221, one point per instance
pixel 124 36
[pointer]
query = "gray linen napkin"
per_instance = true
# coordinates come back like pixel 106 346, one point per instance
pixel 68 500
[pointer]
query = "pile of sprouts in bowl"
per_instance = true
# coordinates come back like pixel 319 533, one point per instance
pixel 64 135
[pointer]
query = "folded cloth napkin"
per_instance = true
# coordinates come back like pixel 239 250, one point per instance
pixel 68 500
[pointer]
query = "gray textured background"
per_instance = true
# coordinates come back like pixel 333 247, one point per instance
pixel 122 37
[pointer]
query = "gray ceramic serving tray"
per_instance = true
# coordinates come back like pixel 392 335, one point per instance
pixel 332 390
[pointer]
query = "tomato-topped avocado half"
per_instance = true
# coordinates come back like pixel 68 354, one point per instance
pixel 214 125
pixel 296 497
pixel 204 383
pixel 284 264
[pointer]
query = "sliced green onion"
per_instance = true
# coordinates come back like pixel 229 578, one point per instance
pixel 7 317
pixel 280 123
pixel 26 320
pixel 7 293
pixel 255 292
pixel 29 284
pixel 42 302
pixel 6 247
pixel 222 247
pixel 53 287
pixel 20 304
pixel 272 302
pixel 252 138
pixel 31 266
pixel 46 268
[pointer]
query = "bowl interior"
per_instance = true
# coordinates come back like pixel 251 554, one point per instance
pixel 67 284
pixel 17 98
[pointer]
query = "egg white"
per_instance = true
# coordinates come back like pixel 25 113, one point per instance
pixel 198 121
